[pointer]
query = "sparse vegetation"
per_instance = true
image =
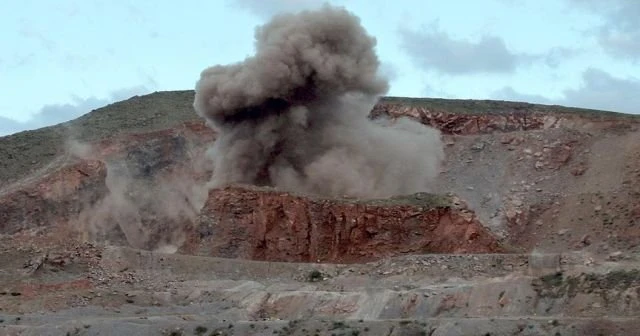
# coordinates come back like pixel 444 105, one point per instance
pixel 176 332
pixel 315 276
pixel 425 200
pixel 474 106
pixel 219 333
pixel 338 325
pixel 200 330
pixel 605 284
pixel 552 280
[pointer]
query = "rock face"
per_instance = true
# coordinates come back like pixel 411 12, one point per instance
pixel 451 123
pixel 493 117
pixel 261 224
pixel 129 190
pixel 53 200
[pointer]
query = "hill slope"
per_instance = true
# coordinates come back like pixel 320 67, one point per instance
pixel 28 151
pixel 533 227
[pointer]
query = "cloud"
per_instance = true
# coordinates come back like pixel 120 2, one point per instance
pixel 603 91
pixel 27 31
pixel 8 126
pixel 435 50
pixel 430 90
pixel 57 113
pixel 599 91
pixel 557 55
pixel 619 34
pixel 268 8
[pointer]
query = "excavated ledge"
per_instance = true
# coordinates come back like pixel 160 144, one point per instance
pixel 264 224
pixel 517 117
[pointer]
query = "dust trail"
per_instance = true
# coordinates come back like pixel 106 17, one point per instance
pixel 295 115
pixel 145 212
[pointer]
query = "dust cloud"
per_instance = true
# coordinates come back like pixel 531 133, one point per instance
pixel 146 213
pixel 295 115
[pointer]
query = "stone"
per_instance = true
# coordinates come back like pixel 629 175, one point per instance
pixel 615 256
pixel 541 264
pixel 478 146
pixel 578 171
pixel 506 139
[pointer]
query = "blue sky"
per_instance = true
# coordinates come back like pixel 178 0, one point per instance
pixel 67 57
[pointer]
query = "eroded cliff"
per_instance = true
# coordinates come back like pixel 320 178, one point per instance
pixel 265 224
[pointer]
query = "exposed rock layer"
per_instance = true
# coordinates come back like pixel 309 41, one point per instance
pixel 270 225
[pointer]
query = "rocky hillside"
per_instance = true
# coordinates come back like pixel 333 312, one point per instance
pixel 535 176
pixel 533 227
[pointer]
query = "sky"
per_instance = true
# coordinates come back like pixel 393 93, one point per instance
pixel 67 57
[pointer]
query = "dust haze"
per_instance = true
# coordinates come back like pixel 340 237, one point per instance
pixel 146 213
pixel 295 115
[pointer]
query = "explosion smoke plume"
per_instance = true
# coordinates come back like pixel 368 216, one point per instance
pixel 295 115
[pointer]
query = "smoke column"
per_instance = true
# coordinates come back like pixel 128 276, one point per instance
pixel 295 115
